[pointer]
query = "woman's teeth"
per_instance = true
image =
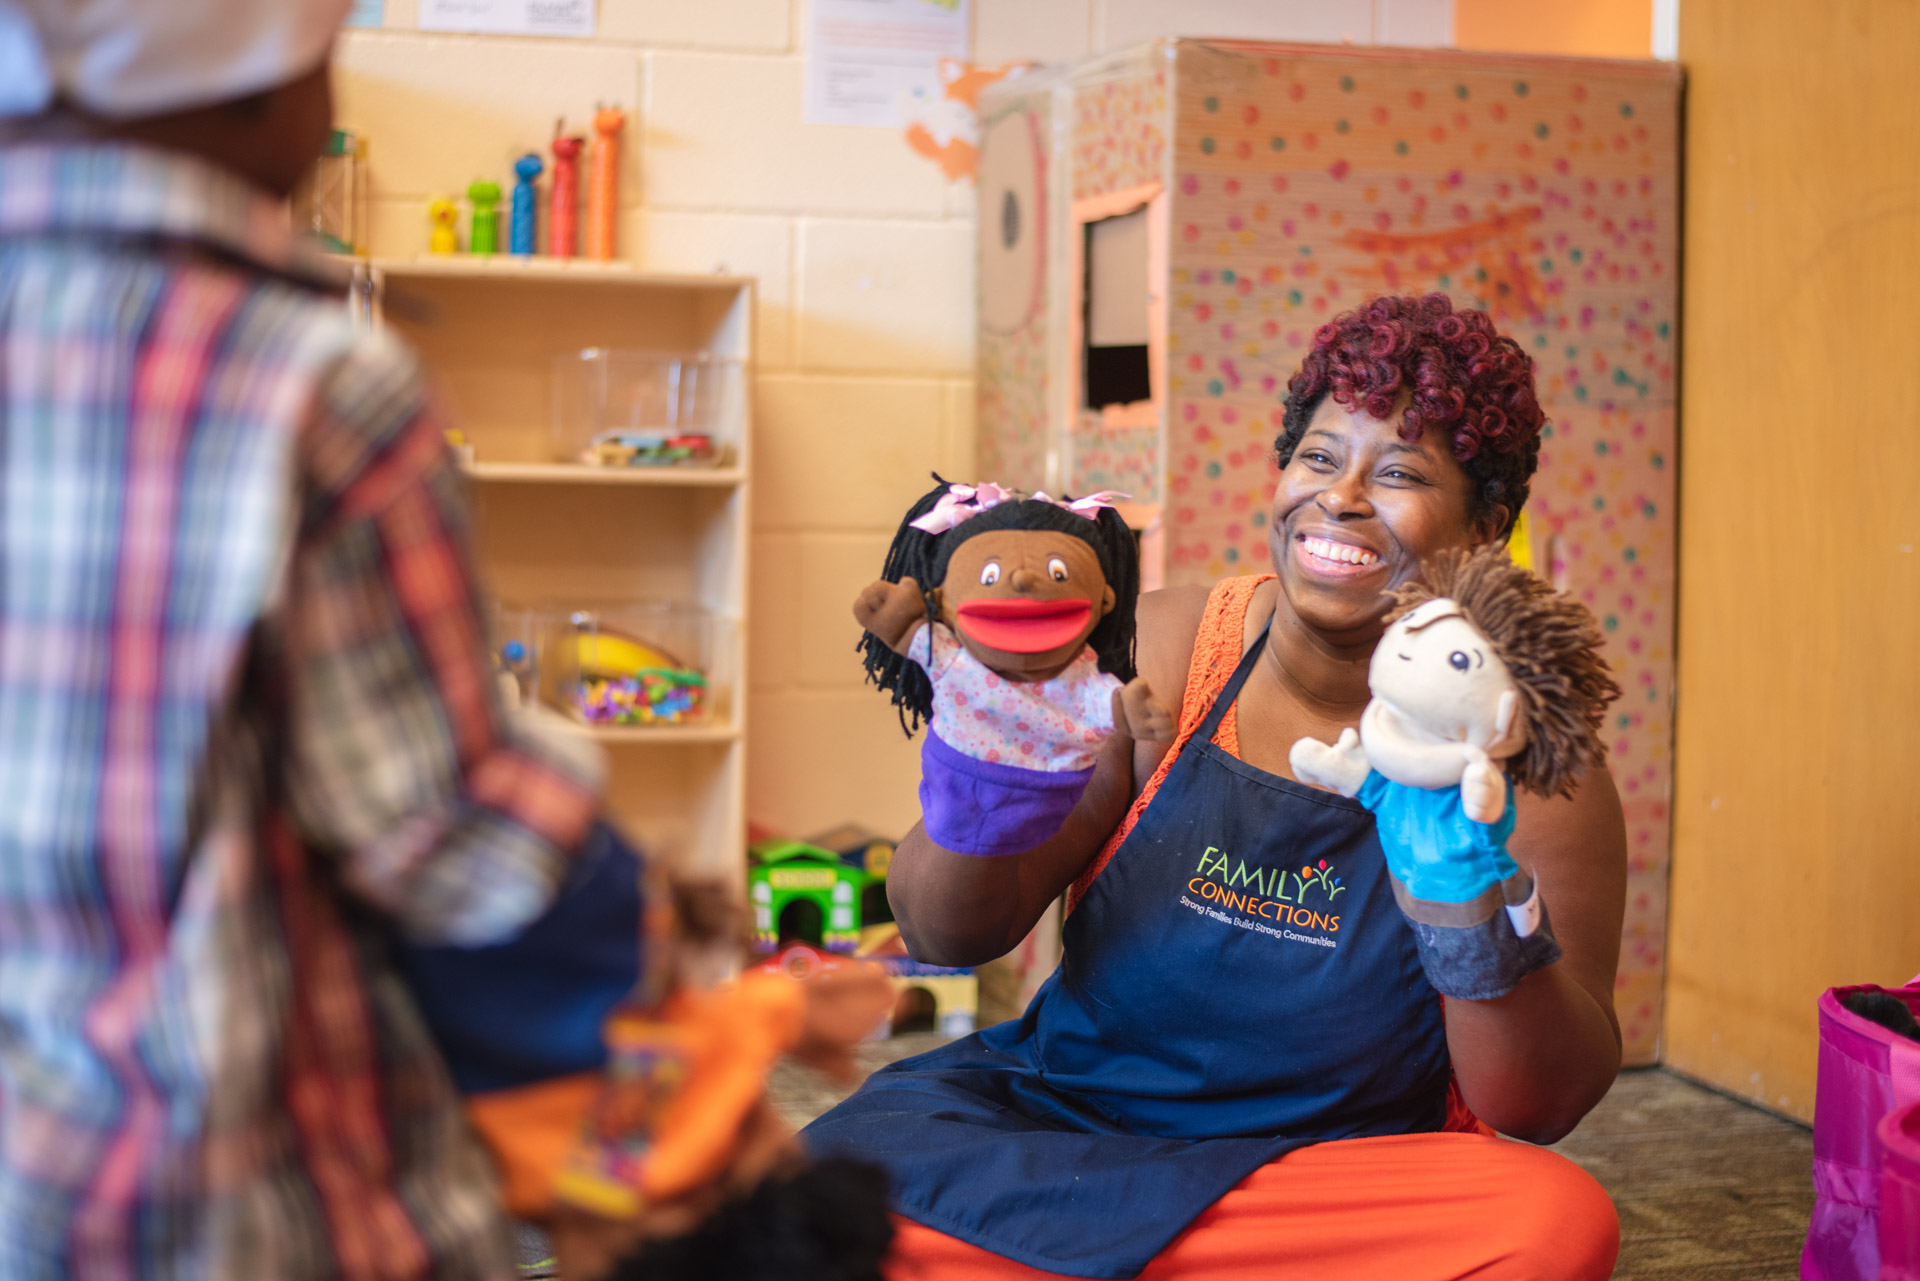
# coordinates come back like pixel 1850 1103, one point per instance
pixel 1326 549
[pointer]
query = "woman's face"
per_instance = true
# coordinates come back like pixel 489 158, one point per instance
pixel 1357 510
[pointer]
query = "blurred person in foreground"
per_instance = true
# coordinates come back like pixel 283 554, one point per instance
pixel 249 734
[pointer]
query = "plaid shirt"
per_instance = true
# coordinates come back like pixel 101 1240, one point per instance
pixel 247 727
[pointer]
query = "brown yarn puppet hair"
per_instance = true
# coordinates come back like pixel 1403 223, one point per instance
pixel 1550 643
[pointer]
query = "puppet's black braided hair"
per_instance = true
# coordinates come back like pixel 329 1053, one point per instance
pixel 923 557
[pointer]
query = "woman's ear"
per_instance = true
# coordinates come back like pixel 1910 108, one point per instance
pixel 1495 519
pixel 1108 601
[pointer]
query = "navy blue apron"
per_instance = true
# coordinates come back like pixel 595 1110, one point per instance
pixel 1237 983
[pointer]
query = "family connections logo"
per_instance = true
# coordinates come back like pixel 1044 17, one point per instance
pixel 1267 900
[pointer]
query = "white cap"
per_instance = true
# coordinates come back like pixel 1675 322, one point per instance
pixel 125 59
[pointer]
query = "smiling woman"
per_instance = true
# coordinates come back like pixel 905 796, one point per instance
pixel 1196 1089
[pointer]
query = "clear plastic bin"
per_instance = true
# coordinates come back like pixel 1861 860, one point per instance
pixel 626 665
pixel 622 408
pixel 516 636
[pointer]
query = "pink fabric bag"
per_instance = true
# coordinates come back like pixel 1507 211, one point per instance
pixel 1900 1195
pixel 1864 1194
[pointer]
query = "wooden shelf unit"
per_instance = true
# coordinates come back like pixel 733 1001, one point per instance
pixel 552 534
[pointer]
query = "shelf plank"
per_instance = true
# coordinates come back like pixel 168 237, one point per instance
pixel 578 474
pixel 664 734
pixel 540 267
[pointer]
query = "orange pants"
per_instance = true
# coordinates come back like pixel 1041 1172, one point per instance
pixel 1414 1207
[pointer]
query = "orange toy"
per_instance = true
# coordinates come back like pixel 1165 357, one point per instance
pixel 603 182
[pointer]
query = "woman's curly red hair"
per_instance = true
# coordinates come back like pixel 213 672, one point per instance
pixel 1466 381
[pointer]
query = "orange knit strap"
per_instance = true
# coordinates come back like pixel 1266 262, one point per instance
pixel 1216 652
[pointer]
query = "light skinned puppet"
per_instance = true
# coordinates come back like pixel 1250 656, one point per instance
pixel 1006 622
pixel 1486 678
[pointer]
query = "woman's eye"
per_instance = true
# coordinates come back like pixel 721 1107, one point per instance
pixel 1057 569
pixel 990 574
pixel 1459 661
pixel 1398 474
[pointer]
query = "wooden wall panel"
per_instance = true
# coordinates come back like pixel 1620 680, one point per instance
pixel 1797 811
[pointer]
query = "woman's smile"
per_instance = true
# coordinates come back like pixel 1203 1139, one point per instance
pixel 1335 558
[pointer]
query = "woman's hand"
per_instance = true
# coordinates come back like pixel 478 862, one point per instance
pixel 1533 1062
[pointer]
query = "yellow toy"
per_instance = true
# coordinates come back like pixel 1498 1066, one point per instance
pixel 612 656
pixel 443 214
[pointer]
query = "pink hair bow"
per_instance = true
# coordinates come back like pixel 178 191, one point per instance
pixel 1090 505
pixel 963 502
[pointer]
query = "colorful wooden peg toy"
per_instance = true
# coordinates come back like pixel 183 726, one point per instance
pixel 485 237
pixel 603 185
pixel 563 196
pixel 520 229
pixel 443 214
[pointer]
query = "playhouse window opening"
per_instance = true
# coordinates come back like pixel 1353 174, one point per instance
pixel 1114 295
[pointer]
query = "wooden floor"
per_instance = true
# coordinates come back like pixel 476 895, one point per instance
pixel 1708 1189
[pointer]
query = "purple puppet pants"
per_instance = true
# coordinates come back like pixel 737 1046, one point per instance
pixel 971 806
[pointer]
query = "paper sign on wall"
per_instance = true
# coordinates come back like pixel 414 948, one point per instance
pixel 869 61
pixel 509 17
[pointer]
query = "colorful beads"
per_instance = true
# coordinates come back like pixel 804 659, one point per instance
pixel 654 696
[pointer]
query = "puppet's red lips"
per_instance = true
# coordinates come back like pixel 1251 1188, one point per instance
pixel 1017 625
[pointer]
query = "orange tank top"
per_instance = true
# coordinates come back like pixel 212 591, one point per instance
pixel 1216 652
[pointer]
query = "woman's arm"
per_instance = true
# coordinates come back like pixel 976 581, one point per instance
pixel 1533 1062
pixel 959 909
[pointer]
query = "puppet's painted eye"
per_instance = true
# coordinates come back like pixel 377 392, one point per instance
pixel 1459 661
pixel 1057 569
pixel 990 574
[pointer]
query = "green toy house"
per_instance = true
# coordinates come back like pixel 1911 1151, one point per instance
pixel 810 894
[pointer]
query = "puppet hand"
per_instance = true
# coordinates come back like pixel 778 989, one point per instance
pixel 891 611
pixel 1483 787
pixel 1142 716
pixel 1342 767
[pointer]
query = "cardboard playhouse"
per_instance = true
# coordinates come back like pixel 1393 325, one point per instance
pixel 1163 229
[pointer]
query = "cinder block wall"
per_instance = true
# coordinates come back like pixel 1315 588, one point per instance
pixel 864 255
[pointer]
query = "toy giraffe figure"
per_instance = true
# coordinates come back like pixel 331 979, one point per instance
pixel 603 184
pixel 563 197
pixel 443 214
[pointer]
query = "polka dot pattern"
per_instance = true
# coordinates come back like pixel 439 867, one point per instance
pixel 1119 135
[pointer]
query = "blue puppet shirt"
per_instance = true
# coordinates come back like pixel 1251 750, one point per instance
pixel 1432 847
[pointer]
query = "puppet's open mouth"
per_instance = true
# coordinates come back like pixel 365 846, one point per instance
pixel 1017 625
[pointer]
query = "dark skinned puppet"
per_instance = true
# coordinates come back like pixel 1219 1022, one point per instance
pixel 1006 622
